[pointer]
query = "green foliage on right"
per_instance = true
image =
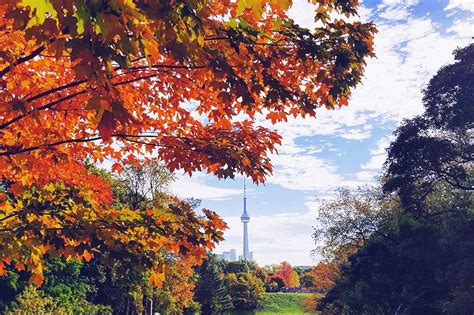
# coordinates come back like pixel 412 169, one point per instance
pixel 418 257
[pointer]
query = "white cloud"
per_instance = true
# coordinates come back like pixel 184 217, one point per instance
pixel 382 145
pixel 302 11
pixel 375 163
pixel 377 159
pixel 356 134
pixel 466 5
pixel 462 28
pixel 304 172
pixel 195 187
pixel 396 10
pixel 366 176
pixel 391 91
pixel 388 3
pixel 395 13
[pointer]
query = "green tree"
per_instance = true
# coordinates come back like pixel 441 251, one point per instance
pixel 126 288
pixel 211 291
pixel 239 266
pixel 346 222
pixel 437 146
pixel 261 274
pixel 68 284
pixel 34 301
pixel 425 268
pixel 246 290
pixel 142 186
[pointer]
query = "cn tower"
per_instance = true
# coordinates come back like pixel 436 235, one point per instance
pixel 245 218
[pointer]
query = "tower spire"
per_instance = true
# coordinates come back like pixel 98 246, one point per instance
pixel 245 218
pixel 245 197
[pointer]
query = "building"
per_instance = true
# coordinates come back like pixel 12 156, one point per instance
pixel 228 255
pixel 233 255
pixel 245 218
pixel 250 257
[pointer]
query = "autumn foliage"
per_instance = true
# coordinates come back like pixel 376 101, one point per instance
pixel 185 82
pixel 324 275
pixel 286 272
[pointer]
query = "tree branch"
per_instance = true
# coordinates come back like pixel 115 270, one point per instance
pixel 68 97
pixel 21 60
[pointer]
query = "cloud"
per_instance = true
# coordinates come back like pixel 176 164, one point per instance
pixel 396 10
pixel 366 176
pixel 462 28
pixel 302 11
pixel 389 3
pixel 304 172
pixel 465 5
pixel 390 92
pixel 410 49
pixel 195 187
pixel 395 13
pixel 382 145
pixel 357 134
pixel 377 159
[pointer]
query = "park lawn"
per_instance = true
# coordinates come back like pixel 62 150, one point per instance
pixel 280 303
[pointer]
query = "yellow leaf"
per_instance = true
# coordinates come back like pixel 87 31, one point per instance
pixel 156 278
pixel 40 7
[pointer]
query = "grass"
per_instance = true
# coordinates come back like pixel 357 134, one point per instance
pixel 280 303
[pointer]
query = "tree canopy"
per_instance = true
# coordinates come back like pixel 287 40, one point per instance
pixel 179 81
pixel 346 222
pixel 436 147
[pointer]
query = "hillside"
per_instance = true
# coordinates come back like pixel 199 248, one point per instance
pixel 281 303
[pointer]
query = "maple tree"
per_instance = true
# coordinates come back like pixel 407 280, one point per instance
pixel 177 291
pixel 286 272
pixel 180 81
pixel 323 276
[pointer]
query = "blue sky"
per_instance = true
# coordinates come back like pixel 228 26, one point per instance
pixel 343 147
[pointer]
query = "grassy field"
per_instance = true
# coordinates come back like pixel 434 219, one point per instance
pixel 280 303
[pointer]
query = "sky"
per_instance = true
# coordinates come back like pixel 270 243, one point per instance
pixel 344 147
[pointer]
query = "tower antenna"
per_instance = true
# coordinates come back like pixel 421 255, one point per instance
pixel 245 219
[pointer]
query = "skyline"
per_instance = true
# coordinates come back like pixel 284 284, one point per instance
pixel 344 147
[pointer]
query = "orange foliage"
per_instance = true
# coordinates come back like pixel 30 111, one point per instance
pixel 177 291
pixel 289 276
pixel 310 303
pixel 324 275
pixel 118 80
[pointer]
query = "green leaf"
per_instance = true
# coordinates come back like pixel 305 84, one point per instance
pixel 254 5
pixel 40 8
